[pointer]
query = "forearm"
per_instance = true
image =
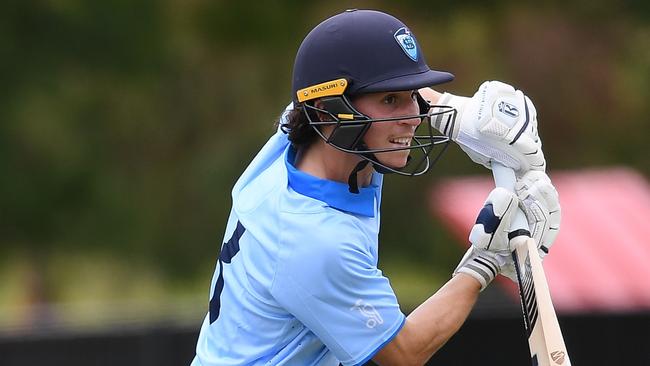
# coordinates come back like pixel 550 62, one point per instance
pixel 432 323
pixel 440 317
pixel 430 95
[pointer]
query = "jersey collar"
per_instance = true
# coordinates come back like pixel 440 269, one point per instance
pixel 335 194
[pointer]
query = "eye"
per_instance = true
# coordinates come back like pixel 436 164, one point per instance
pixel 390 99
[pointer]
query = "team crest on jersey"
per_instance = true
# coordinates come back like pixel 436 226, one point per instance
pixel 406 40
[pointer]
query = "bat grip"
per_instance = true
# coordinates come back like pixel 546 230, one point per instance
pixel 504 177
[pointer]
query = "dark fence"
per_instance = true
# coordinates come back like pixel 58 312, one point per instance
pixel 591 340
pixel 595 339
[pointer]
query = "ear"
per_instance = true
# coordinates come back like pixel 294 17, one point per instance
pixel 318 103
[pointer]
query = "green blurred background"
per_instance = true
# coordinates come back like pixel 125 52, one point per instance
pixel 124 124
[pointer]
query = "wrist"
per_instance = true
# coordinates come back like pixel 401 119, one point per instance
pixel 444 125
pixel 468 281
pixel 430 95
pixel 480 265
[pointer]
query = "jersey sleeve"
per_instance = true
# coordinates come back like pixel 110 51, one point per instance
pixel 329 281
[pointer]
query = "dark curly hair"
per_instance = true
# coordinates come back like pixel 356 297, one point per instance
pixel 301 134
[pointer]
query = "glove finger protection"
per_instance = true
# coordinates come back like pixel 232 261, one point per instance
pixel 499 123
pixel 540 202
pixel 490 253
pixel 490 231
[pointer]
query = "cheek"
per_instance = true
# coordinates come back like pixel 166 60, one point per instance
pixel 375 134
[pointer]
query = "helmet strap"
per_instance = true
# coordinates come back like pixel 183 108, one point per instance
pixel 368 158
pixel 353 185
pixel 379 168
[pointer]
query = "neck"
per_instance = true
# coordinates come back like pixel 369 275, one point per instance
pixel 324 161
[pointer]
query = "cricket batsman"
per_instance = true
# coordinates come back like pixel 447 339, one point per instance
pixel 296 281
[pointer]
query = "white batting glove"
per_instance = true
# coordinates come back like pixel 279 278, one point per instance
pixel 490 253
pixel 540 202
pixel 484 265
pixel 498 123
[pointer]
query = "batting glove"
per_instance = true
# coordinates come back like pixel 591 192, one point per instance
pixel 490 253
pixel 541 204
pixel 498 123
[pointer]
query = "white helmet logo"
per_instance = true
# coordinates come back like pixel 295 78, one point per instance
pixel 407 42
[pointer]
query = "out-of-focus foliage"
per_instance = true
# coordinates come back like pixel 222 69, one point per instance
pixel 124 124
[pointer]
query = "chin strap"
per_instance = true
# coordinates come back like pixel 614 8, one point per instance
pixel 352 179
pixel 378 168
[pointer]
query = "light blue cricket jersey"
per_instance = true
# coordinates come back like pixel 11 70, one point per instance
pixel 296 281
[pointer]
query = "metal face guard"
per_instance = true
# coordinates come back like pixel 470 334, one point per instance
pixel 350 126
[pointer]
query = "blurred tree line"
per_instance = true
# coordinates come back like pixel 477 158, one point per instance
pixel 124 124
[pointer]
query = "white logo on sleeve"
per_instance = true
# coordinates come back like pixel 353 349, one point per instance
pixel 368 311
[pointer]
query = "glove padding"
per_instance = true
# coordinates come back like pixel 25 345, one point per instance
pixel 541 204
pixel 490 253
pixel 498 123
pixel 484 265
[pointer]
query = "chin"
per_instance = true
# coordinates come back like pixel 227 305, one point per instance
pixel 395 163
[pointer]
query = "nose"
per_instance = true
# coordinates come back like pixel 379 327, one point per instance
pixel 410 111
pixel 413 122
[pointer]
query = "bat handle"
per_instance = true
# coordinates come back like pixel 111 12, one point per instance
pixel 504 177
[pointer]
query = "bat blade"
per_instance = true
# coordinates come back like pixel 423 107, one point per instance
pixel 545 338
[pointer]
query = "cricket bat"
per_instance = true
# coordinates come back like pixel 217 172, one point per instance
pixel 544 335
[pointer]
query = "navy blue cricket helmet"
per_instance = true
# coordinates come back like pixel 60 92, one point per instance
pixel 358 52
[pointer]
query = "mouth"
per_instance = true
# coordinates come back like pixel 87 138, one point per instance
pixel 401 141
